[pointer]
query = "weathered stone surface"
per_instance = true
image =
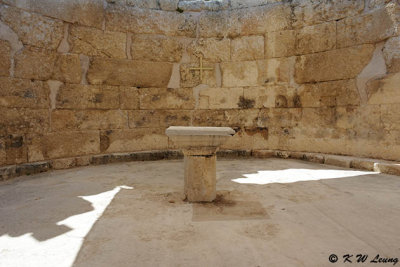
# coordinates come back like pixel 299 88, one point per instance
pixel 200 5
pixel 175 118
pixel 337 64
pixel 5 58
pixel 233 154
pixel 40 64
pixel 264 117
pixel 390 117
pixel 135 156
pixel 250 3
pixel 285 118
pixel 163 98
pixel 346 117
pixel 128 72
pixel 274 70
pixel 22 120
pixel 280 43
pixel 281 96
pixel 259 97
pixel 83 160
pixel 248 138
pixel 144 118
pixel 93 42
pixel 84 12
pixel 32 168
pixel 373 4
pixel 370 28
pixel 67 68
pixel 169 5
pixel 198 141
pixel 339 161
pixel 335 93
pixel 239 74
pixel 218 24
pixel 87 97
pixel 365 148
pixel 389 168
pixel 143 4
pixel 220 98
pixel 263 153
pixel 35 64
pixel 64 120
pixel 63 145
pixel 23 169
pixel 391 52
pixel 33 29
pixel 156 48
pixel 314 157
pixel 309 13
pixel 61 164
pixel 320 123
pixel 283 154
pixel 369 125
pixel 200 178
pixel 2 153
pixel 316 38
pixel 361 124
pixel 129 97
pixel 191 78
pixel 133 140
pixel 243 22
pixel 264 19
pixel 159 118
pixel 19 93
pixel 212 49
pixel 362 164
pixel 241 118
pixel 147 21
pixel 13 149
pixel 209 118
pixel 384 90
pixel 247 48
pixel 7 172
pixel 309 105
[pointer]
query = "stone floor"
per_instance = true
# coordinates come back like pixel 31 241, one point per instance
pixel 270 212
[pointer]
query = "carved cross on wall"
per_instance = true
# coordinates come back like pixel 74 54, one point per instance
pixel 201 68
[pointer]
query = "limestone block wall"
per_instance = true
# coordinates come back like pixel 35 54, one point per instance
pixel 87 77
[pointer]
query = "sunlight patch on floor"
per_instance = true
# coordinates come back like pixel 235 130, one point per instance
pixel 296 175
pixel 25 250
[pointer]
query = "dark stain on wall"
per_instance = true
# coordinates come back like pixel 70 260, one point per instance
pixel 296 101
pixel 263 131
pixel 246 103
pixel 14 142
pixel 281 102
pixel 104 141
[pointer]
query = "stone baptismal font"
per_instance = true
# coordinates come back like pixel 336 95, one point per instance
pixel 199 146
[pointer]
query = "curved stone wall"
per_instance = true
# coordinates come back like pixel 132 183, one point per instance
pixel 88 77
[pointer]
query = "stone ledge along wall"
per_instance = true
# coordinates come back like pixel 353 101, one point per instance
pixel 87 77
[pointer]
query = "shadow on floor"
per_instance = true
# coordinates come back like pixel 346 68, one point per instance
pixel 36 206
